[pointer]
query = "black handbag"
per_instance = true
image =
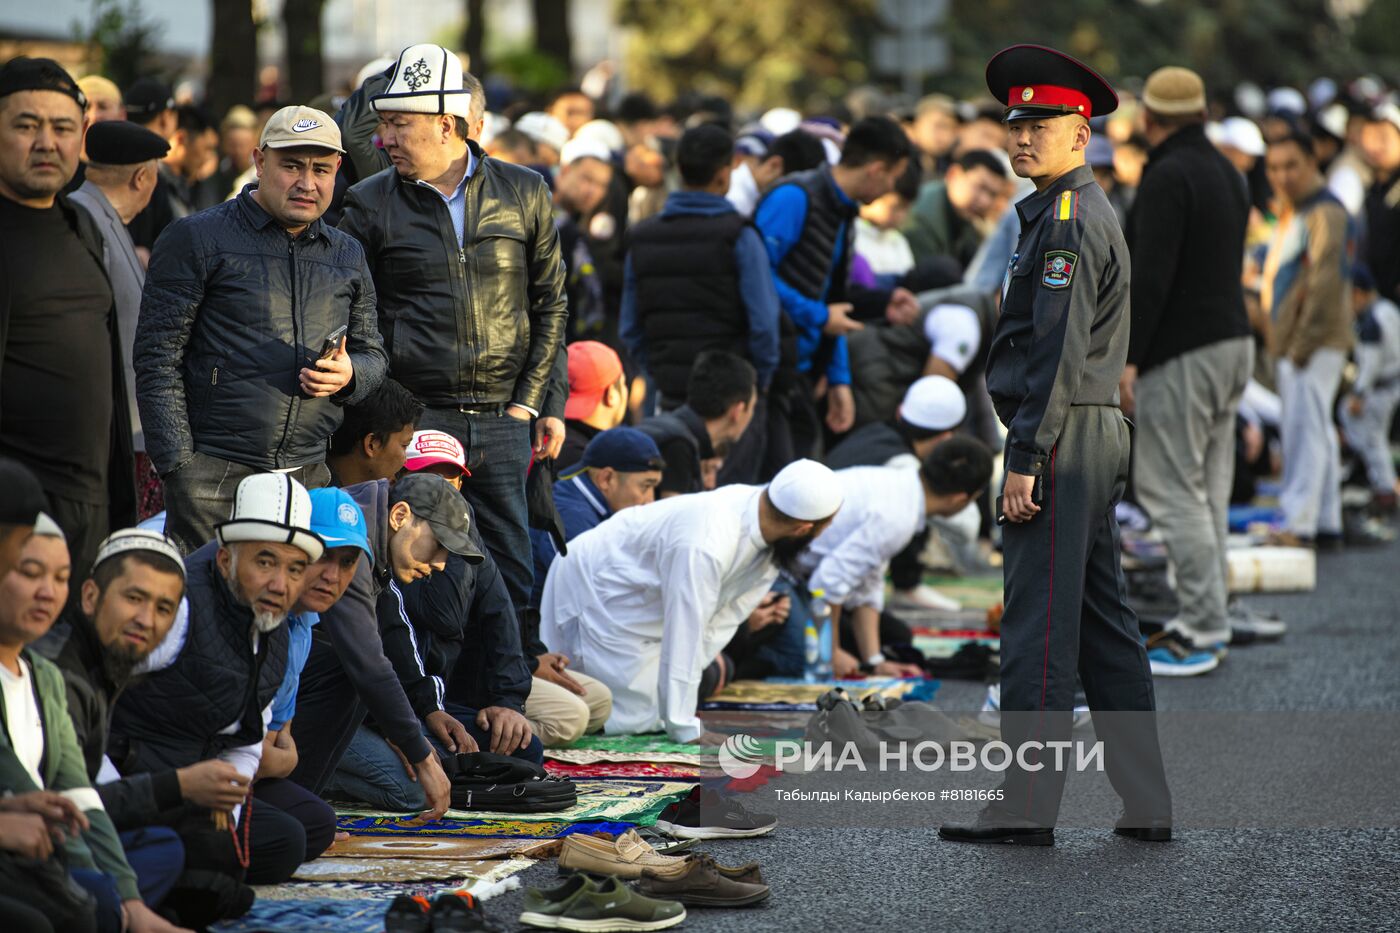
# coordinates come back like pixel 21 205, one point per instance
pixel 486 781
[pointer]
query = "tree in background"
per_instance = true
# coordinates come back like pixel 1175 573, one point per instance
pixel 306 70
pixel 803 53
pixel 474 36
pixel 552 37
pixel 233 56
pixel 1269 42
pixel 756 55
pixel 120 41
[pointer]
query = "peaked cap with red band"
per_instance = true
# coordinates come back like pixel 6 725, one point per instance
pixel 1035 81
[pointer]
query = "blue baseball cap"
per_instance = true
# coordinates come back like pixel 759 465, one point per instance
pixel 626 450
pixel 338 520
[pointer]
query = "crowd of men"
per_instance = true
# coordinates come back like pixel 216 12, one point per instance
pixel 332 445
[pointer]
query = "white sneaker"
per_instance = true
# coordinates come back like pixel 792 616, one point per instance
pixel 923 597
pixel 1246 620
pixel 991 710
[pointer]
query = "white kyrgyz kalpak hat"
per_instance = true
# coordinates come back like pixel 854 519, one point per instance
pixel 427 79
pixel 271 507
pixel 806 490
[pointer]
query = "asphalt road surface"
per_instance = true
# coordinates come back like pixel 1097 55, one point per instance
pixel 1342 654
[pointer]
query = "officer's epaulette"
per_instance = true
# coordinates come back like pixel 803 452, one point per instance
pixel 1066 205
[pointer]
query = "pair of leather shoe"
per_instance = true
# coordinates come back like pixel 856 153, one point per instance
pixel 704 883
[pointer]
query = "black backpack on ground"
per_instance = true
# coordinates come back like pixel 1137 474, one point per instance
pixel 486 781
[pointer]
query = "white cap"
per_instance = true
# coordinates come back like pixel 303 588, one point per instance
pixel 934 403
pixel 376 67
pixel 1287 100
pixel 1240 133
pixel 139 539
pixel 805 490
pixel 1334 119
pixel 271 507
pixel 427 79
pixel 46 527
pixel 781 120
pixel 1387 112
pixel 604 133
pixel 543 129
pixel 584 148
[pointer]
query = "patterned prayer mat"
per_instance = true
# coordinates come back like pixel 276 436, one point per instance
pixel 628 769
pixel 629 801
pixel 973 592
pixel 386 824
pixel 458 871
pixel 790 694
pixel 944 642
pixel 434 847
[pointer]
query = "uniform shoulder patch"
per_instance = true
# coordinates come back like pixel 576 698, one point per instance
pixel 1059 268
pixel 1066 205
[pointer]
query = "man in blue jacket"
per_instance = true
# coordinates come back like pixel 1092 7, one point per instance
pixel 807 224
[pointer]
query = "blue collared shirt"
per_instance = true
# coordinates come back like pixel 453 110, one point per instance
pixel 457 200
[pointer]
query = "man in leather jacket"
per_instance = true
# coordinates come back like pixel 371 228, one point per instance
pixel 466 262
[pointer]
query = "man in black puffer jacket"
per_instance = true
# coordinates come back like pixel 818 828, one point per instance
pixel 233 375
pixel 466 259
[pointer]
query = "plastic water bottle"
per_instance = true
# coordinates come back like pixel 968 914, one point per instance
pixel 817 640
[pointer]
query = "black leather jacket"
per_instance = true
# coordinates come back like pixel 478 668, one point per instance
pixel 478 324
pixel 233 309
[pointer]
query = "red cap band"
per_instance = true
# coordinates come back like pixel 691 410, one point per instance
pixel 1050 95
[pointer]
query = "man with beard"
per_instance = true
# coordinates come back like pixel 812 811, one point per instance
pixel 126 609
pixel 42 773
pixel 719 402
pixel 211 690
pixel 646 599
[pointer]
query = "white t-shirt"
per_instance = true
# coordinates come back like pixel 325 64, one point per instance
pixel 22 718
pixel 955 334
pixel 887 251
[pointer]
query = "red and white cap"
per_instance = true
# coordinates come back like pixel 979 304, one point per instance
pixel 430 447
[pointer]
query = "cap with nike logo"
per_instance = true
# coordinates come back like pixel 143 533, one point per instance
pixel 300 126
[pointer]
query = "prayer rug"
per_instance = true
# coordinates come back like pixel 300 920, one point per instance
pixel 628 769
pixel 982 592
pixel 458 871
pixel 630 801
pixel 944 642
pixel 389 824
pixel 433 847
pixel 791 694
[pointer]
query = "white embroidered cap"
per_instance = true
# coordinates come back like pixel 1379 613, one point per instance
pixel 427 79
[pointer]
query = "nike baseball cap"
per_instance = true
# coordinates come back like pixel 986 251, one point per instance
pixel 300 126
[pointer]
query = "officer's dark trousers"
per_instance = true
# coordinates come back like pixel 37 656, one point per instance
pixel 1066 613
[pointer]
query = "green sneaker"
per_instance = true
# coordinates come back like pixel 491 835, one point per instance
pixel 592 904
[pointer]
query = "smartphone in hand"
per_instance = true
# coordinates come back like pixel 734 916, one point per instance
pixel 333 341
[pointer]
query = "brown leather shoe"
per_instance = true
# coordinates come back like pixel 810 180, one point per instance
pixel 626 856
pixel 748 873
pixel 702 884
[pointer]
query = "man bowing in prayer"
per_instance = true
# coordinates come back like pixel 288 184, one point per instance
pixel 647 599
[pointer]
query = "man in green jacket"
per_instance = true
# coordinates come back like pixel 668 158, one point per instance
pixel 38 748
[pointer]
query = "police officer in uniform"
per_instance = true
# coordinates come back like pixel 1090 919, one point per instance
pixel 1052 372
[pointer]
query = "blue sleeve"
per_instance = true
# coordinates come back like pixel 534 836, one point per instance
pixel 284 703
pixel 838 371
pixel 779 220
pixel 761 300
pixel 629 328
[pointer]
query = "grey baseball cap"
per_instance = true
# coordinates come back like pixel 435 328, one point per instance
pixel 433 499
